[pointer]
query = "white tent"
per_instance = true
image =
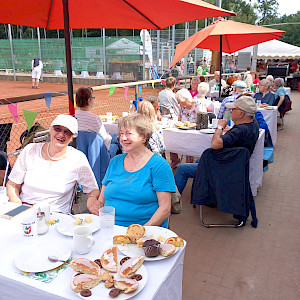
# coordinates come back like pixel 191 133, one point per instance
pixel 125 47
pixel 274 49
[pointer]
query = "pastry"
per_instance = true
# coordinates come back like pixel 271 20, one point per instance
pixel 88 219
pixel 135 232
pixel 84 281
pixel 85 266
pixel 151 248
pixel 176 241
pixel 143 239
pixel 130 266
pixel 105 276
pixel 123 260
pixel 110 282
pixel 167 249
pixel 109 260
pixel 121 239
pixel 126 285
pixel 179 124
pixel 186 123
pixel 192 125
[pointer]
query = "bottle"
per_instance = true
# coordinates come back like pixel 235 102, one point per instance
pixel 42 226
pixel 29 226
pixel 131 108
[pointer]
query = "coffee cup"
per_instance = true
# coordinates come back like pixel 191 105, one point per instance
pixel 214 123
pixel 83 240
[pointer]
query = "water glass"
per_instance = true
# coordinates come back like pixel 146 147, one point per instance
pixel 109 117
pixel 214 123
pixel 258 102
pixel 107 221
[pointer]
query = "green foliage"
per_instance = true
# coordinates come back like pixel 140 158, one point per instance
pixel 267 10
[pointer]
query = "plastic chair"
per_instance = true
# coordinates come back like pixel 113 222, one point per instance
pixel 5 130
pixel 4 166
pixel 92 145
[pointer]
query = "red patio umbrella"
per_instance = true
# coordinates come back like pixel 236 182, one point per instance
pixel 134 14
pixel 226 36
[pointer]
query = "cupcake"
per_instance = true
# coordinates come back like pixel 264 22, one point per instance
pixel 151 248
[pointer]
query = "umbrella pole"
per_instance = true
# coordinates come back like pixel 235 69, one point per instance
pixel 68 56
pixel 220 85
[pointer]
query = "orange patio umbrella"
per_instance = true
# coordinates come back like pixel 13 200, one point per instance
pixel 226 36
pixel 133 14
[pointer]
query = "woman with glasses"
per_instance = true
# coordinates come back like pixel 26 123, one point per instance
pixel 49 171
pixel 138 183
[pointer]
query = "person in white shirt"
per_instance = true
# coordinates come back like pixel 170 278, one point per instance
pixel 36 67
pixel 49 171
pixel 206 105
pixel 87 121
pixel 216 81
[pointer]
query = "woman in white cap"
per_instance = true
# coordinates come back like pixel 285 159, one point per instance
pixel 49 171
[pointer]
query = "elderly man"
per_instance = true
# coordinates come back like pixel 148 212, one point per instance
pixel 216 81
pixel 243 134
pixel 239 87
pixel 264 94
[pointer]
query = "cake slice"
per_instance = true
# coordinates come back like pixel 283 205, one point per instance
pixel 84 281
pixel 130 266
pixel 86 266
pixel 109 260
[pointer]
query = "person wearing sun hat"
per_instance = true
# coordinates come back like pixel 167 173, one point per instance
pixel 239 87
pixel 49 171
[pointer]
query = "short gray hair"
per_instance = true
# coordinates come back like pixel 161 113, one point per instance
pixel 279 82
pixel 270 77
pixel 266 83
pixel 183 95
pixel 203 88
pixel 247 114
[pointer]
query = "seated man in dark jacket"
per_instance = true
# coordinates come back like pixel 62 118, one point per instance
pixel 243 134
pixel 264 94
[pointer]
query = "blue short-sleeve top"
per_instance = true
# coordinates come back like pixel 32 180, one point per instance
pixel 133 194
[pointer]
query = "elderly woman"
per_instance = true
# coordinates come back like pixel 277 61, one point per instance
pixel 138 183
pixel 279 91
pixel 49 171
pixel 205 104
pixel 155 103
pixel 87 121
pixel 156 142
pixel 264 94
pixel 194 87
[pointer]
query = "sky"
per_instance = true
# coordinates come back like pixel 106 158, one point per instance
pixel 288 6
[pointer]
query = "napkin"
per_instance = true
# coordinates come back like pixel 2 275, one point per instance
pixel 47 276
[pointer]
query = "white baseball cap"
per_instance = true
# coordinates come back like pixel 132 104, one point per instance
pixel 245 103
pixel 68 122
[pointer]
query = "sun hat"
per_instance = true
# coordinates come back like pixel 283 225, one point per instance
pixel 66 121
pixel 240 84
pixel 245 103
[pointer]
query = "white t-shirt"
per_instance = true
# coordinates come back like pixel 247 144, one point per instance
pixel 90 122
pixel 51 181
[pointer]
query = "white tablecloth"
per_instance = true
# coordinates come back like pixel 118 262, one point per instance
pixel 194 143
pixel 164 276
pixel 270 117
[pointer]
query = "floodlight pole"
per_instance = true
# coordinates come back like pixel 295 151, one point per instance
pixel 68 56
pixel 12 51
pixel 104 54
pixel 39 46
pixel 220 84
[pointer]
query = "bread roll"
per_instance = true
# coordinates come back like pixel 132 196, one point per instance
pixel 135 232
pixel 176 241
pixel 86 266
pixel 167 249
pixel 109 260
pixel 126 285
pixel 143 239
pixel 130 266
pixel 84 281
pixel 121 239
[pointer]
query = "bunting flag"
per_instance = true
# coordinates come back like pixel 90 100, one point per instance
pixel 29 117
pixel 178 82
pixel 126 91
pixel 47 97
pixel 111 90
pixel 163 82
pixel 140 98
pixel 13 108
pixel 71 108
pixel 153 84
pixel 135 103
pixel 140 89
pixel 74 97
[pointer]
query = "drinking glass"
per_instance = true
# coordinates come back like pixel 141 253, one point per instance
pixel 107 221
pixel 109 117
pixel 258 102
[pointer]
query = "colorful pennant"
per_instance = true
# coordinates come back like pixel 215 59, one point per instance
pixel 163 82
pixel 126 91
pixel 153 84
pixel 178 82
pixel 111 90
pixel 29 117
pixel 47 97
pixel 74 97
pixel 140 89
pixel 13 108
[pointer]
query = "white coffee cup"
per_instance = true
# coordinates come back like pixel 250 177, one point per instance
pixel 83 240
pixel 214 123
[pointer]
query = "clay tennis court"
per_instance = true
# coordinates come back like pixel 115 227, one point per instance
pixel 116 103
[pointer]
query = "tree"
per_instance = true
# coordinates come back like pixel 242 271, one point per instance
pixel 267 10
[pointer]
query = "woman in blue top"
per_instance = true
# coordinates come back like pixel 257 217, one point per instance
pixel 137 183
pixel 279 91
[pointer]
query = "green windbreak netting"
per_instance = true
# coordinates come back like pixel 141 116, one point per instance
pixel 87 53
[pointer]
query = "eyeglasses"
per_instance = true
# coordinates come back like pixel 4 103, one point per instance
pixel 65 131
pixel 234 109
pixel 93 97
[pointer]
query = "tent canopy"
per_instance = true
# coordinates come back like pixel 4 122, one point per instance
pixel 274 49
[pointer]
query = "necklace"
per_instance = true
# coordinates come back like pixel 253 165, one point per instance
pixel 52 157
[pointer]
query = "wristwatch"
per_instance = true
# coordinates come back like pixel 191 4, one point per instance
pixel 220 127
